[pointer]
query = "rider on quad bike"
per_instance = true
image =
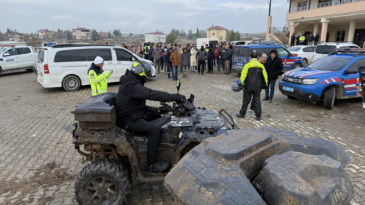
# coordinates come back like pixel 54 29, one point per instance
pixel 134 115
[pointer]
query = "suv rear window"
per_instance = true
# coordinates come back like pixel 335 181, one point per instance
pixel 294 48
pixel 70 56
pixel 325 49
pixel 245 52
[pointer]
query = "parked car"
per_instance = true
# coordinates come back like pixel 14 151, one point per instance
pixel 329 78
pixel 306 52
pixel 241 56
pixel 17 57
pixel 67 65
pixel 328 48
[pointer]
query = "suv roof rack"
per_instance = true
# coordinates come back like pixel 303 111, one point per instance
pixel 76 45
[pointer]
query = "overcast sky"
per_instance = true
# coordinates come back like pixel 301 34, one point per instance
pixel 135 16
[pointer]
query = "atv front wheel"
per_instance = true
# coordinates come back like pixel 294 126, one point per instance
pixel 103 182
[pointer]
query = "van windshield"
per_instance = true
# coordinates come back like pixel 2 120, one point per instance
pixel 325 49
pixel 329 63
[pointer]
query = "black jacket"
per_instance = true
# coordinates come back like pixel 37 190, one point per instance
pixel 132 96
pixel 168 54
pixel 221 53
pixel 356 38
pixel 274 67
pixel 310 38
pixel 292 38
pixel 211 53
pixel 228 54
pixel 297 38
pixel 316 38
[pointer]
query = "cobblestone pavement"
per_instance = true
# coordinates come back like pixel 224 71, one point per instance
pixel 35 130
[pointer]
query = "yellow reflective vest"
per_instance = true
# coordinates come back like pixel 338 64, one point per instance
pixel 302 38
pixel 253 63
pixel 98 83
pixel 145 49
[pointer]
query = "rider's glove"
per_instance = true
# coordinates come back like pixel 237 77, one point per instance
pixel 178 98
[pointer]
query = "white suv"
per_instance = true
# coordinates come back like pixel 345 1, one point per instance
pixel 17 57
pixel 67 65
pixel 327 48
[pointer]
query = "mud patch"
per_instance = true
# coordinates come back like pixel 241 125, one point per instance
pixel 26 191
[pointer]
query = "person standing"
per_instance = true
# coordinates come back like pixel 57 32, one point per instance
pixel 164 62
pixel 157 54
pixel 210 59
pixel 310 39
pixel 169 63
pixel 185 62
pixel 357 39
pixel 262 60
pixel 302 39
pixel 147 51
pixel 150 56
pixel 316 38
pixel 292 40
pixel 175 61
pixel 193 58
pixel 255 77
pixel 274 67
pixel 215 55
pixel 201 55
pixel 227 60
pixel 221 52
pixel 97 76
pixel 297 39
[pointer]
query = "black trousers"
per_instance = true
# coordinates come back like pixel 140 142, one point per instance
pixel 214 61
pixel 145 127
pixel 210 65
pixel 202 64
pixel 146 56
pixel 247 96
pixel 292 43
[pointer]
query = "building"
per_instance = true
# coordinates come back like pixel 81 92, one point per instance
pixel 217 32
pixel 45 33
pixel 155 37
pixel 15 36
pixel 333 20
pixel 103 34
pixel 82 33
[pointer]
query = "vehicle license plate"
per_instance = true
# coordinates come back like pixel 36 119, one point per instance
pixel 288 89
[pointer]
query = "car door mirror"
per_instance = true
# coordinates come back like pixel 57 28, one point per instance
pixel 133 59
pixel 6 54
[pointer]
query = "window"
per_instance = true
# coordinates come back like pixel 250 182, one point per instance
pixel 244 52
pixel 13 52
pixel 23 50
pixel 282 52
pixel 329 63
pixel 325 49
pixel 354 67
pixel 221 38
pixel 308 49
pixel 106 54
pixel 70 56
pixel 123 55
pixel 41 56
pixel 294 48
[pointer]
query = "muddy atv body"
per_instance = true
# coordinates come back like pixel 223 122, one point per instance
pixel 119 159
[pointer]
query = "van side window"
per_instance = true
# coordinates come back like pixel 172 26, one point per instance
pixel 123 55
pixel 354 67
pixel 106 54
pixel 70 56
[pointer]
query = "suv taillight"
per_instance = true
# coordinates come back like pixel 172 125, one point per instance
pixel 46 70
pixel 294 54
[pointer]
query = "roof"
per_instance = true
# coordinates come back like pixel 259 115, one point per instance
pixel 81 29
pixel 45 30
pixel 216 28
pixel 156 33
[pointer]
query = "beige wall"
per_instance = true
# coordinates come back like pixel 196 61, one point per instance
pixel 218 34
pixel 82 35
pixel 326 11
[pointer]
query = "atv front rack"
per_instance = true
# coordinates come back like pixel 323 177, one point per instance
pixel 228 119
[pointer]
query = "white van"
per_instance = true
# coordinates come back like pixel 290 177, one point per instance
pixel 67 65
pixel 326 48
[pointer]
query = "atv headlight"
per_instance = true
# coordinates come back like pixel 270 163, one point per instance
pixel 310 81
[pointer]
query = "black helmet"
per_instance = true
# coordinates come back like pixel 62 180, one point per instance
pixel 141 70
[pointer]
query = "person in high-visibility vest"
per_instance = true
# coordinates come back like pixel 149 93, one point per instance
pixel 147 51
pixel 97 76
pixel 302 39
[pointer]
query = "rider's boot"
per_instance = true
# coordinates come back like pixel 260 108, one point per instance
pixel 158 166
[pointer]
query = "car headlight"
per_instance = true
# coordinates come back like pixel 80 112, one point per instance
pixel 310 81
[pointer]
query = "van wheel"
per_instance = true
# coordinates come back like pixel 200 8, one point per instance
pixel 71 83
pixel 305 62
pixel 329 98
pixel 296 66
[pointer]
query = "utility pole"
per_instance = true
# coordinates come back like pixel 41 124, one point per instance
pixel 269 20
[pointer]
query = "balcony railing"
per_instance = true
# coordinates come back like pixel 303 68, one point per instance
pixel 322 5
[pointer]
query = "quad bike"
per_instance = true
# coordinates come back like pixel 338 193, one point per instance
pixel 119 159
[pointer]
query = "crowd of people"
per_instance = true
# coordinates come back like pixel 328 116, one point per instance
pixel 173 59
pixel 300 39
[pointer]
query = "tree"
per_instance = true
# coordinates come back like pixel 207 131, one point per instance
pixel 231 35
pixel 238 36
pixel 117 32
pixel 197 33
pixel 1 36
pixel 190 34
pixel 131 34
pixel 69 35
pixel 170 38
pixel 109 34
pixel 94 35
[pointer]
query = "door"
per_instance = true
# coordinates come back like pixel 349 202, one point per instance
pixel 340 36
pixel 27 57
pixel 106 54
pixel 306 34
pixel 351 80
pixel 13 60
pixel 124 62
pixel 285 56
pixel 308 53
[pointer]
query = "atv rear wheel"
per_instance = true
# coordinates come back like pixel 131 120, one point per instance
pixel 103 182
pixel 329 98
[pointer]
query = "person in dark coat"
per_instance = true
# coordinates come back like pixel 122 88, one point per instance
pixel 297 40
pixel 210 59
pixel 201 56
pixel 133 115
pixel 310 39
pixel 169 63
pixel 357 39
pixel 292 40
pixel 316 38
pixel 185 62
pixel 274 67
